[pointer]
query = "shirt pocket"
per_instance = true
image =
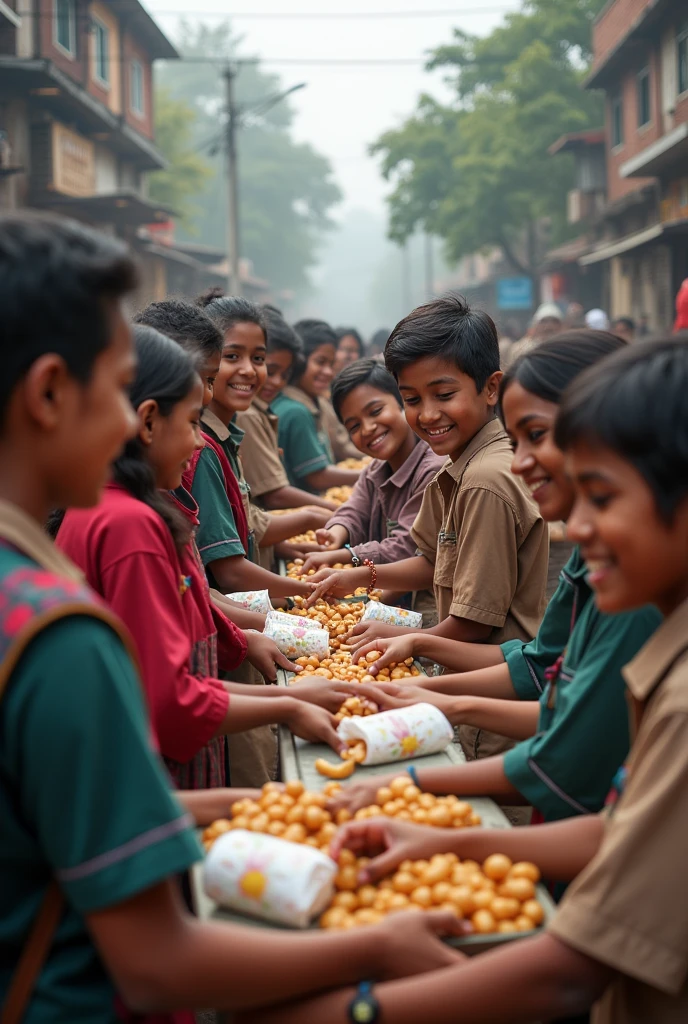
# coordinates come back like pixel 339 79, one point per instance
pixel 445 564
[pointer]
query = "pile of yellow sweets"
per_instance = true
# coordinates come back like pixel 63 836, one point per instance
pixel 352 463
pixel 340 666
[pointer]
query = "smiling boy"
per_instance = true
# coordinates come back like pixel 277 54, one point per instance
pixel 481 541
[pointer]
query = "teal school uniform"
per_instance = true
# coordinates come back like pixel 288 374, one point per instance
pixel 301 436
pixel 82 800
pixel 567 768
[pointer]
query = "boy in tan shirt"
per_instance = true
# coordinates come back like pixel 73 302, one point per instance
pixel 482 544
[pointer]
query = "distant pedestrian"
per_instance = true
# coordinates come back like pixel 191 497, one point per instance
pixel 349 347
pixel 624 327
pixel 597 320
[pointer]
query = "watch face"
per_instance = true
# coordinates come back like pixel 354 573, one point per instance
pixel 363 1011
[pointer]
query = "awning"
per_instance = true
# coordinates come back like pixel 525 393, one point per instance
pixel 566 254
pixel 663 154
pixel 635 241
pixel 121 208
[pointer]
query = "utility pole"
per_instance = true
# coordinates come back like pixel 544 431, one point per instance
pixel 233 279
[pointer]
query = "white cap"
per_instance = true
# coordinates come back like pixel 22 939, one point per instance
pixel 548 310
pixel 597 320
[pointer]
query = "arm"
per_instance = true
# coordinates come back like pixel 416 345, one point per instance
pixel 465 631
pixel 283 527
pixel 293 497
pixel 237 573
pixel 311 723
pixel 207 805
pixel 452 654
pixel 537 979
pixel 240 616
pixel 487 682
pixel 411 574
pixel 330 476
pixel 516 719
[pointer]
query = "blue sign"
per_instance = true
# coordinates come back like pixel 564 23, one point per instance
pixel 514 293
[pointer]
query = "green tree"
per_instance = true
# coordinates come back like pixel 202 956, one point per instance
pixel 286 189
pixel 477 173
pixel 188 173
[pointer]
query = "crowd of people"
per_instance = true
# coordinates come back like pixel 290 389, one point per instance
pixel 152 468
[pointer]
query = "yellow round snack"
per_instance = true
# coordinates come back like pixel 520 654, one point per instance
pixel 335 771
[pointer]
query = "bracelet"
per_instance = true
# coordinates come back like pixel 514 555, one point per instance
pixel 414 775
pixel 355 560
pixel 373 574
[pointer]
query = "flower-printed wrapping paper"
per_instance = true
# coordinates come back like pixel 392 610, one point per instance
pixel 394 616
pixel 252 600
pixel 296 642
pixel 399 735
pixel 269 878
pixel 291 620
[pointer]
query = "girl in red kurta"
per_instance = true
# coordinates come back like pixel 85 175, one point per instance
pixel 137 551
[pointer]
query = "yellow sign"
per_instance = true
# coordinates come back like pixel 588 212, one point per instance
pixel 74 165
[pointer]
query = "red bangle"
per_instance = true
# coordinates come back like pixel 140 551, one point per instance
pixel 373 575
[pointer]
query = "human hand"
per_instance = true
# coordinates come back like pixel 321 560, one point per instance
pixel 336 583
pixel 388 842
pixel 314 724
pixel 319 517
pixel 317 560
pixel 264 655
pixel 365 631
pixel 288 551
pixel 411 943
pixel 325 693
pixel 335 537
pixel 395 650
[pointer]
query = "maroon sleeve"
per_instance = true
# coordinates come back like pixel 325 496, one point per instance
pixel 232 646
pixel 143 589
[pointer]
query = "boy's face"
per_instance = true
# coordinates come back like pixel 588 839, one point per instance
pixel 242 370
pixel 634 557
pixel 278 368
pixel 209 372
pixel 92 423
pixel 375 423
pixel 442 405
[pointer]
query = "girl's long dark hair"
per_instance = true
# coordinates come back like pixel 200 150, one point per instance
pixel 166 373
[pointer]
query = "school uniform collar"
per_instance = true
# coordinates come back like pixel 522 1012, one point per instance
pixel 297 395
pixel 487 435
pixel 379 471
pixel 23 532
pixel 186 503
pixel 261 406
pixel 656 658
pixel 215 424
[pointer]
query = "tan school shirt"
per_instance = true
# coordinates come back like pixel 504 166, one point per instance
pixel 260 457
pixel 629 908
pixel 484 535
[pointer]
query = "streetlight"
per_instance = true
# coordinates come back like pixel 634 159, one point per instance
pixel 233 114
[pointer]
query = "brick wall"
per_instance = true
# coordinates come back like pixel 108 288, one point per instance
pixel 132 50
pixel 635 139
pixel 76 67
pixel 614 24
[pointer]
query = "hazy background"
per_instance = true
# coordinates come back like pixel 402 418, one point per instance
pixel 360 277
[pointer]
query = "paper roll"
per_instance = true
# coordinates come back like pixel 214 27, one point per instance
pixel 296 642
pixel 257 874
pixel 399 735
pixel 252 600
pixel 394 616
pixel 292 620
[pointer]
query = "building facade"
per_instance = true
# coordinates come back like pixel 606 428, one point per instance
pixel 640 243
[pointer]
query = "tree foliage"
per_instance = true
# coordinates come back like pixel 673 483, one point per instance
pixel 476 172
pixel 286 188
pixel 187 173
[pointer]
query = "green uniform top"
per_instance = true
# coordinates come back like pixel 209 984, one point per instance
pixel 583 738
pixel 217 535
pixel 529 660
pixel 82 800
pixel 302 438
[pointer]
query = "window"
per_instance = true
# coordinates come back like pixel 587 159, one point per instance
pixel 617 120
pixel 64 29
pixel 643 90
pixel 136 100
pixel 101 52
pixel 682 56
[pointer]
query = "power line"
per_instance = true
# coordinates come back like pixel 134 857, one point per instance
pixel 309 15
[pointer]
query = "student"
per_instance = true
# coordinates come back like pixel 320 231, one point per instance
pixel 483 544
pixel 230 558
pixel 135 550
pixel 376 521
pixel 620 937
pixel 624 327
pixel 260 456
pixel 563 693
pixel 92 838
pixel 349 347
pixel 302 434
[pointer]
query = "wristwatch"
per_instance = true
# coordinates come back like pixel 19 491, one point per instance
pixel 356 561
pixel 364 1007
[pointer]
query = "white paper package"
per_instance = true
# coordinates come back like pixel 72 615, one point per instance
pixel 291 620
pixel 297 642
pixel 399 735
pixel 394 616
pixel 269 878
pixel 252 600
